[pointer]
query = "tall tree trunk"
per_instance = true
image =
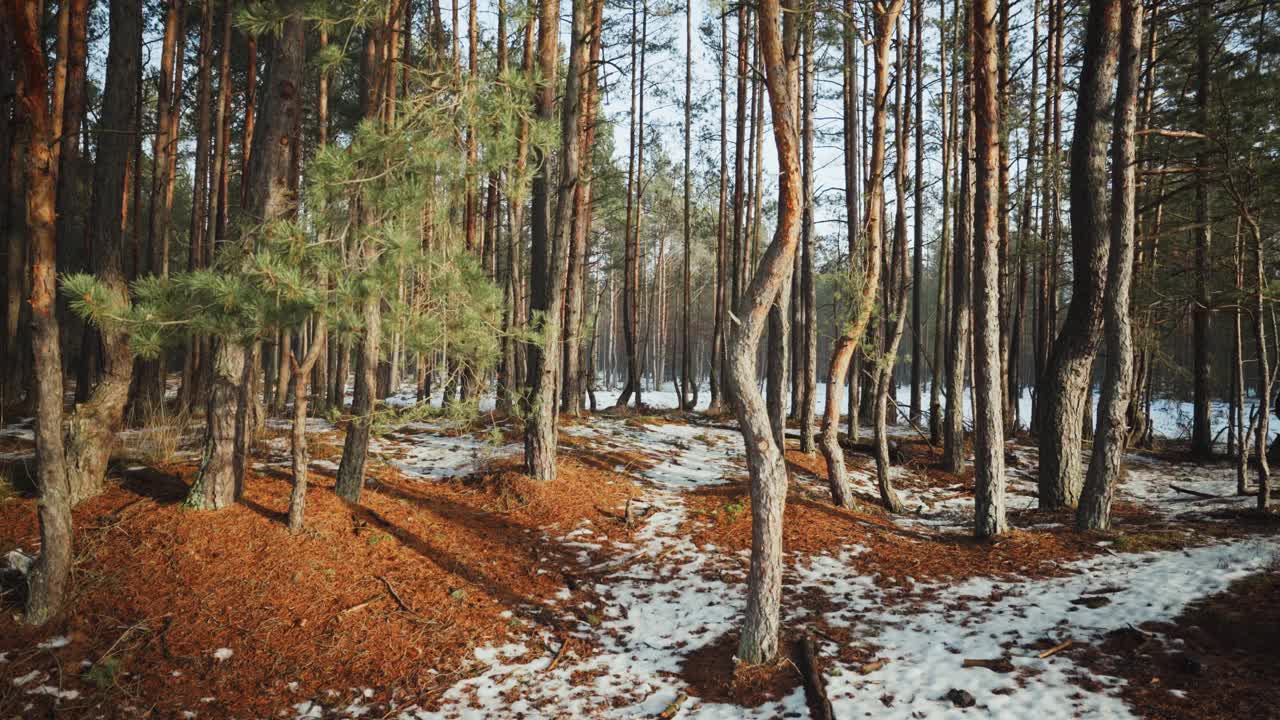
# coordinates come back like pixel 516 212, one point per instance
pixel 943 255
pixel 721 306
pixel 808 292
pixel 1064 389
pixel 572 384
pixel 989 493
pixel 961 269
pixel 355 447
pixel 1201 432
pixel 847 343
pixel 631 240
pixel 897 277
pixel 230 400
pixel 202 181
pixel 92 428
pixel 917 271
pixel 67 152
pixel 686 360
pixel 550 234
pixel 759 639
pixel 150 382
pixel 48 578
pixel 1112 434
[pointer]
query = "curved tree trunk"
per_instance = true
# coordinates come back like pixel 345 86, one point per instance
pixel 758 642
pixel 847 343
pixel 1064 388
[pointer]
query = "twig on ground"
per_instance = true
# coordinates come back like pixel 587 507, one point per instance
pixel 564 646
pixel 1056 649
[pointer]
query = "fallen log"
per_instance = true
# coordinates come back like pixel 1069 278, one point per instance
pixel 1196 493
pixel 815 688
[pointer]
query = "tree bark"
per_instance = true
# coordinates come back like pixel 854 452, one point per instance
pixel 550 234
pixel 989 493
pixel 1201 432
pixel 847 343
pixel 48 578
pixel 758 642
pixel 229 405
pixel 808 292
pixel 1112 434
pixel 92 428
pixel 1064 388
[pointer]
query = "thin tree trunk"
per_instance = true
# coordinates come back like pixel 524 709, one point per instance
pixel 943 256
pixel 301 370
pixel 808 292
pixel 1201 432
pixel 686 360
pixel 847 343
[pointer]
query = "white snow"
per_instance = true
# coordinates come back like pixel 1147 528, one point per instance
pixel 55 642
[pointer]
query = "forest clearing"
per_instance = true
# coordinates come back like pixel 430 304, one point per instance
pixel 663 359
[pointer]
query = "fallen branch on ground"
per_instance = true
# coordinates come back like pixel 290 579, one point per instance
pixel 815 689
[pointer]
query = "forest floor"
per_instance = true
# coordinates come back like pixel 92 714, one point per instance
pixel 460 589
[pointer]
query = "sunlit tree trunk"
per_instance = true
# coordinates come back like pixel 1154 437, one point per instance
pixel 48 578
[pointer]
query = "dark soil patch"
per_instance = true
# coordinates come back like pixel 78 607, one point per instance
pixel 1216 661
pixel 713 674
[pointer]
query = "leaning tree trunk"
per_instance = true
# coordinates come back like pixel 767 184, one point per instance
pixel 1064 388
pixel 989 493
pixel 228 405
pixel 1107 461
pixel 92 428
pixel 48 578
pixel 847 344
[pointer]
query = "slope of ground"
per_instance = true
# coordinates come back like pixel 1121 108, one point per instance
pixel 459 589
